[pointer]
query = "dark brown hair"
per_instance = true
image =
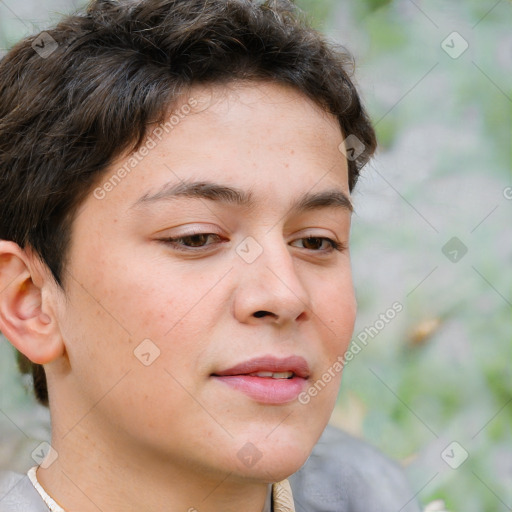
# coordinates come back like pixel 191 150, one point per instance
pixel 75 97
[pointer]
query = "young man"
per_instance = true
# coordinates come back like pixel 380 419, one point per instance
pixel 174 259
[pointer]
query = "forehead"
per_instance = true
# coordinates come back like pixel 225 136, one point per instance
pixel 268 138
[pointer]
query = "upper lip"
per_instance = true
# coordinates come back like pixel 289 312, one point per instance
pixel 296 364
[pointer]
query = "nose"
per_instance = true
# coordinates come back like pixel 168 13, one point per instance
pixel 269 289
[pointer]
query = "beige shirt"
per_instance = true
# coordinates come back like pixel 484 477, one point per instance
pixel 282 497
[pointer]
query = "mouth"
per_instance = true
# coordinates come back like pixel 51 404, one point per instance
pixel 273 375
pixel 270 367
pixel 267 379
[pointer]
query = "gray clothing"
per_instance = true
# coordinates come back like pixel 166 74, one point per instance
pixel 342 474
pixel 17 494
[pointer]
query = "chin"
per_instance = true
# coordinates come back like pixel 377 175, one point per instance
pixel 276 468
pixel 273 461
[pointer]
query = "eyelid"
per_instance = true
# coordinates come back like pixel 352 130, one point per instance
pixel 193 229
pixel 316 233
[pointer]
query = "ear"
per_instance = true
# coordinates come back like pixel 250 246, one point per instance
pixel 27 317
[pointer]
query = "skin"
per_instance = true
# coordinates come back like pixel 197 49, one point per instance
pixel 166 436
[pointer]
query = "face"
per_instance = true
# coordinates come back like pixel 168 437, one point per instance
pixel 222 253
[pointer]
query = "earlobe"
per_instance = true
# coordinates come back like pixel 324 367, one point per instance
pixel 22 318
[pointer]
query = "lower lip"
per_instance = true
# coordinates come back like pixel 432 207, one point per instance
pixel 265 389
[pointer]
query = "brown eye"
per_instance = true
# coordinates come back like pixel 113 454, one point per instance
pixel 320 244
pixel 313 243
pixel 194 241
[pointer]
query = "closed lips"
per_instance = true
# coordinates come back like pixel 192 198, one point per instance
pixel 267 380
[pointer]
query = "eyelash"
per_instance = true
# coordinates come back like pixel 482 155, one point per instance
pixel 334 245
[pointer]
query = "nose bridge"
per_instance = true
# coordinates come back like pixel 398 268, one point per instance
pixel 268 280
pixel 279 263
pixel 281 266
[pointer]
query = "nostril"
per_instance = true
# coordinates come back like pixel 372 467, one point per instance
pixel 260 314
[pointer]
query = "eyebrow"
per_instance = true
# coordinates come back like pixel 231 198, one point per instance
pixel 333 198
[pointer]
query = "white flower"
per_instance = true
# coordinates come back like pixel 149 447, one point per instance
pixel 436 506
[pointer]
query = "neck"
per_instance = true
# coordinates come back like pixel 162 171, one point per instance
pixel 113 474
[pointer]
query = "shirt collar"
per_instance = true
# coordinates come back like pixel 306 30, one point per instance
pixel 268 500
pixel 279 496
pixel 282 497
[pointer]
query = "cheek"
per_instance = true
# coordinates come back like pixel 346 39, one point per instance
pixel 334 311
pixel 336 307
pixel 141 298
pixel 126 295
pixel 146 310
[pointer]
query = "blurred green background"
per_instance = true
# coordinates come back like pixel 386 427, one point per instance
pixel 432 231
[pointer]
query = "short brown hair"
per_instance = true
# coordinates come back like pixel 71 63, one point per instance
pixel 109 72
